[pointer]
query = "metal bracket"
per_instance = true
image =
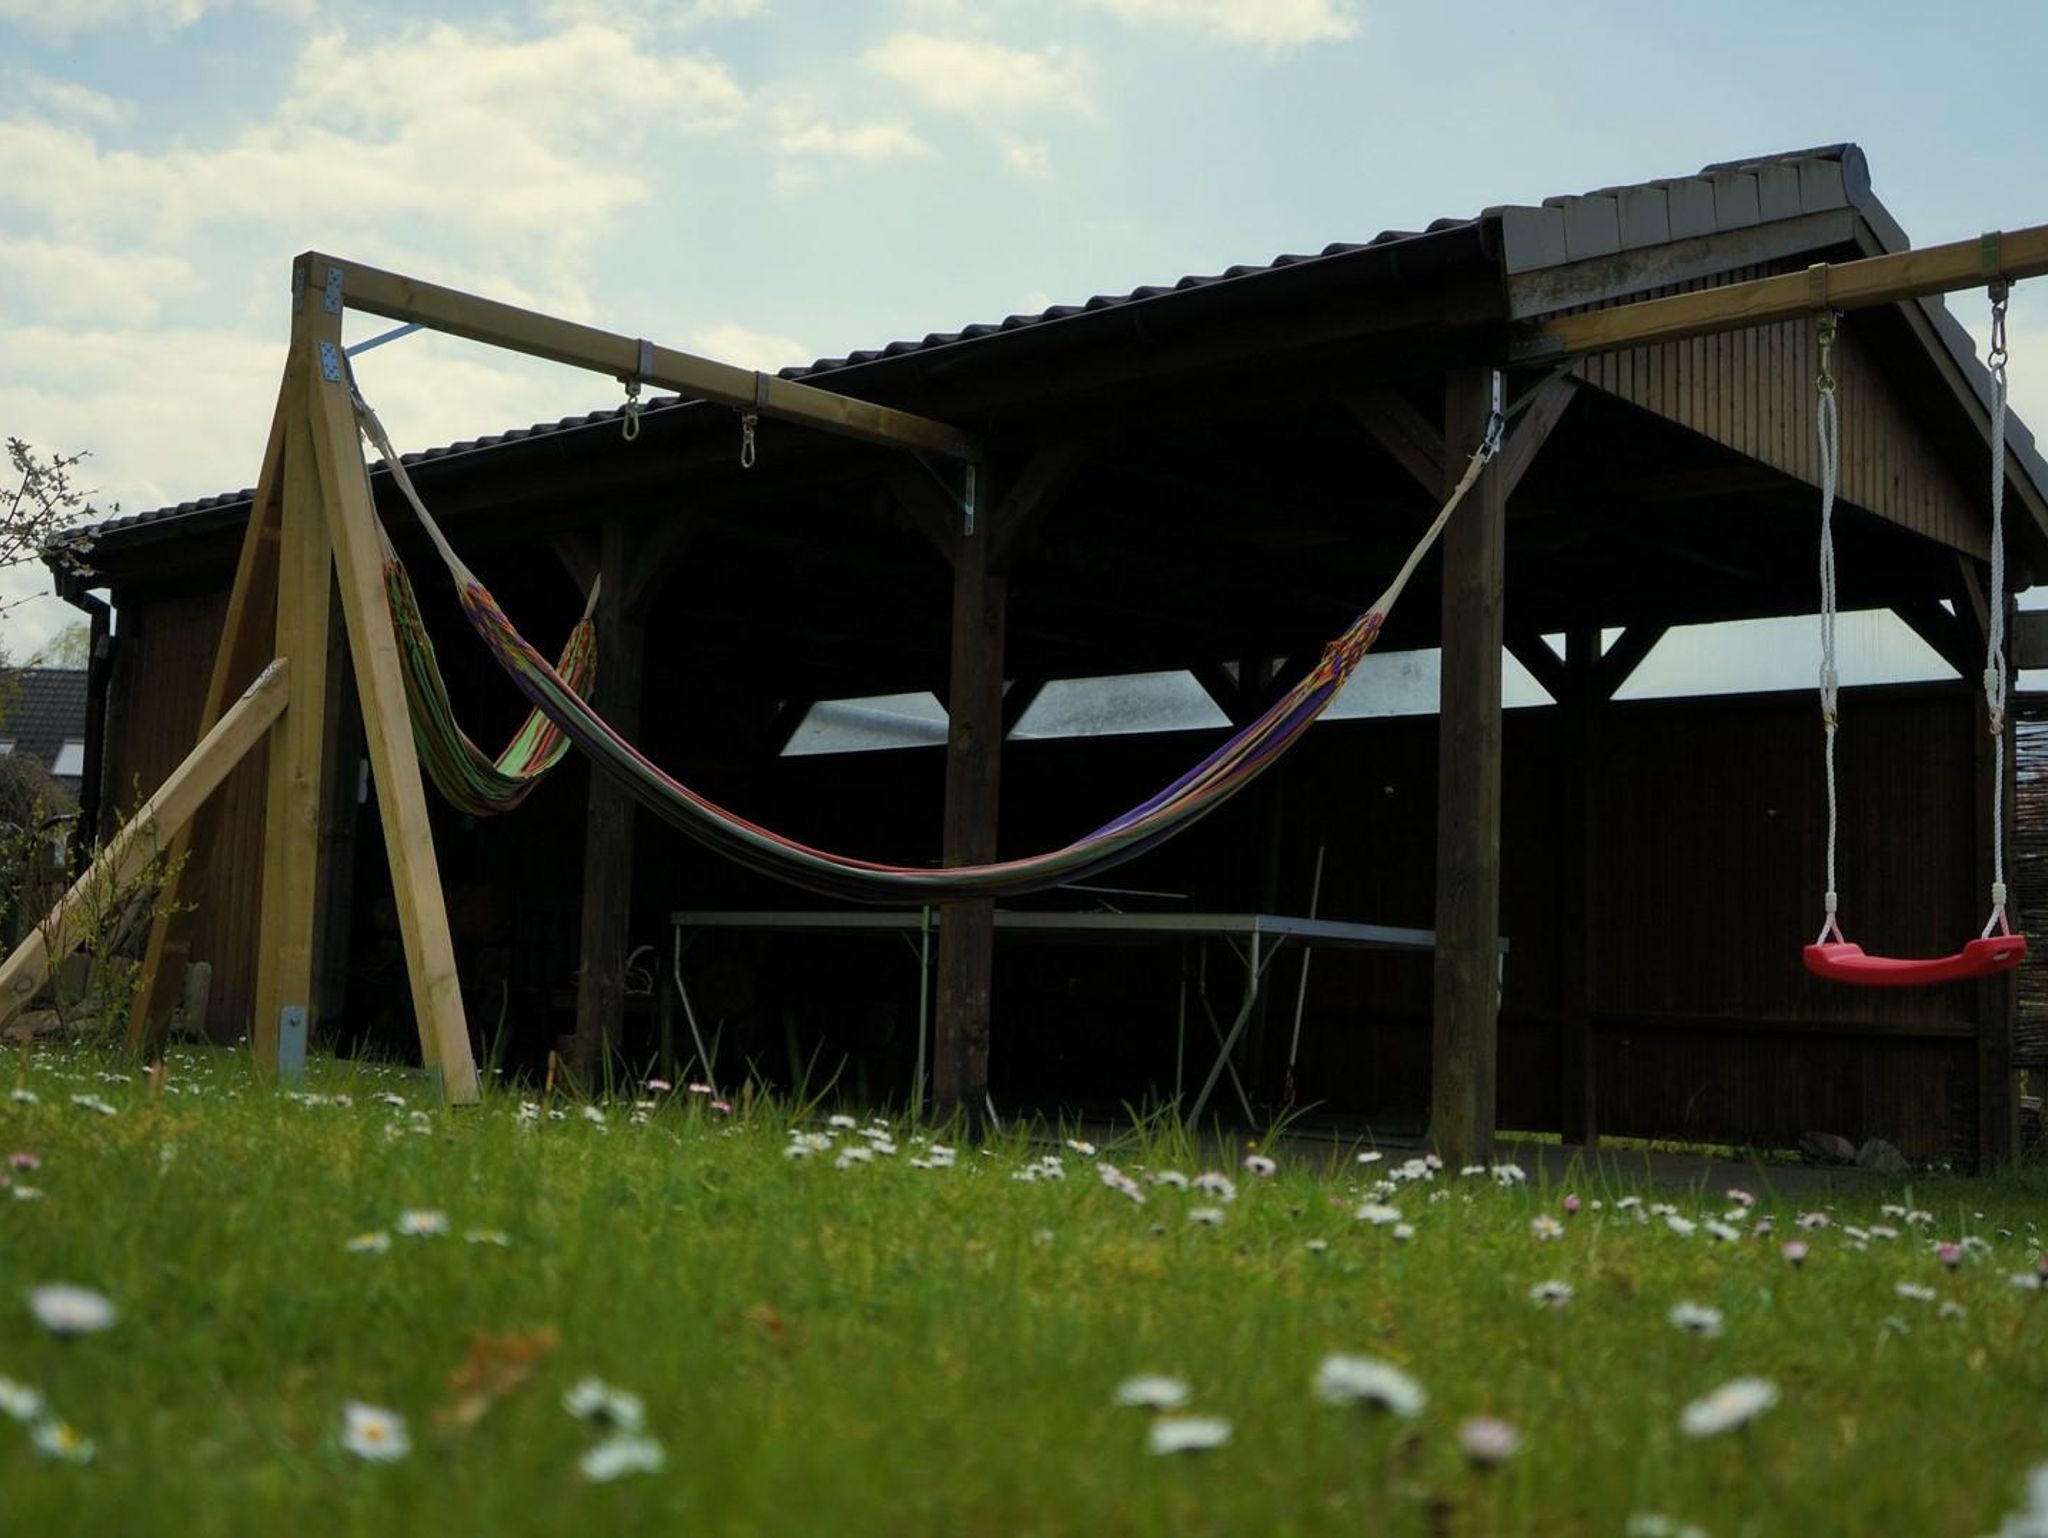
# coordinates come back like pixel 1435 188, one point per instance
pixel 291 1044
pixel 1991 254
pixel 969 487
pixel 333 297
pixel 330 363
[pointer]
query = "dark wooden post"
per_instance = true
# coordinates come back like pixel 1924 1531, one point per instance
pixel 974 744
pixel 1468 790
pixel 1581 707
pixel 608 830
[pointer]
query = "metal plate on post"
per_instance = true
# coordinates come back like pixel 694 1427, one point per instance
pixel 291 1044
pixel 330 363
pixel 333 297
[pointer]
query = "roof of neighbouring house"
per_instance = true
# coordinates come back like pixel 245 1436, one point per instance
pixel 44 710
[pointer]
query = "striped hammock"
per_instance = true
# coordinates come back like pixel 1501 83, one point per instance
pixel 471 780
pixel 1196 793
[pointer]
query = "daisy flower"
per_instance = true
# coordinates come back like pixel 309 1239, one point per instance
pixel 23 1161
pixel 1696 1319
pixel 1173 1178
pixel 1208 1217
pixel 374 1434
pixel 1378 1215
pixel 496 1237
pixel 617 1456
pixel 1152 1391
pixel 1371 1156
pixel 66 1310
pixel 1544 1226
pixel 61 1440
pixel 593 1399
pixel 1735 1403
pixel 1261 1166
pixel 1914 1292
pixel 376 1242
pixel 1362 1380
pixel 422 1223
pixel 92 1103
pixel 1487 1443
pixel 19 1402
pixel 1188 1434
pixel 1794 1250
pixel 1551 1294
pixel 1217 1184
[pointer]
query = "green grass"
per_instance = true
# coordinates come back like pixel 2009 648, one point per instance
pixel 891 1350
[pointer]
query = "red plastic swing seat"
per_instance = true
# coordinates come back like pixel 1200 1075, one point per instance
pixel 1843 962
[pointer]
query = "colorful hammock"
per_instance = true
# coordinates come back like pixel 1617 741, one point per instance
pixel 1200 791
pixel 470 779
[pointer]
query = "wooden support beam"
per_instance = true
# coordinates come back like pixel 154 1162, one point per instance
pixel 1579 798
pixel 1468 795
pixel 782 725
pixel 1622 659
pixel 1405 433
pixel 1046 474
pixel 401 797
pixel 245 646
pixel 578 559
pixel 1531 429
pixel 608 828
pixel 1541 663
pixel 295 790
pixel 1221 686
pixel 974 740
pixel 929 509
pixel 155 824
pixel 656 554
pixel 1948 636
pixel 1875 280
pixel 2029 640
pixel 401 298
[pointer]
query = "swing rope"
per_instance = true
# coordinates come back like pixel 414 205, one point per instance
pixel 1994 645
pixel 1828 429
pixel 1997 949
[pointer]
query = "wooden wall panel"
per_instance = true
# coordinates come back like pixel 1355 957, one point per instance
pixel 1752 391
pixel 159 688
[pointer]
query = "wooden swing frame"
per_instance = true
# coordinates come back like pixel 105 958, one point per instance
pixel 311 534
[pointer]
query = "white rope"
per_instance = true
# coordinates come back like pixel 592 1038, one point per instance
pixel 1828 431
pixel 1994 645
pixel 1489 445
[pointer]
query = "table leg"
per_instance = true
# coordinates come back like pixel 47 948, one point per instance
pixel 1255 968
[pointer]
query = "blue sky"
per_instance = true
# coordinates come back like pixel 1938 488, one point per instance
pixel 773 180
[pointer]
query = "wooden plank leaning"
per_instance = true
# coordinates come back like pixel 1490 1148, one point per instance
pixel 246 640
pixel 401 795
pixel 159 818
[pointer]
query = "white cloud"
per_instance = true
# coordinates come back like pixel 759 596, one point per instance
pixel 66 280
pixel 867 143
pixel 1028 157
pixel 730 342
pixel 59 19
pixel 66 98
pixel 983 80
pixel 1278 26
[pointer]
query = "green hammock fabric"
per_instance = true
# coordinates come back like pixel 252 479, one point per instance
pixel 471 780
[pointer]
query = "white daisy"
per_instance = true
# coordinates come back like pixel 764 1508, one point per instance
pixel 1377 1215
pixel 19 1402
pixel 495 1237
pixel 1217 1184
pixel 1544 1226
pixel 92 1103
pixel 1371 1156
pixel 1913 1292
pixel 1487 1443
pixel 422 1223
pixel 1188 1434
pixel 1261 1166
pixel 1735 1403
pixel 1403 1232
pixel 617 1456
pixel 376 1242
pixel 61 1440
pixel 25 1097
pixel 845 1122
pixel 66 1310
pixel 595 1400
pixel 1208 1217
pixel 1696 1319
pixel 1551 1294
pixel 1354 1380
pixel 1683 1227
pixel 374 1434
pixel 1152 1391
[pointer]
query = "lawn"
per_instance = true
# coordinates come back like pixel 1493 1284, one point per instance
pixel 898 1344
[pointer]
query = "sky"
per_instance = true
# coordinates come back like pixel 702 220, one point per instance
pixel 770 181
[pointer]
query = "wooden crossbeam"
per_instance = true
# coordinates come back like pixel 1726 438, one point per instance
pixel 160 818
pixel 1874 280
pixel 1529 648
pixel 1620 661
pixel 495 324
pixel 1944 633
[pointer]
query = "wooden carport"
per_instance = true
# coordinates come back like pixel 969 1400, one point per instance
pixel 1213 477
